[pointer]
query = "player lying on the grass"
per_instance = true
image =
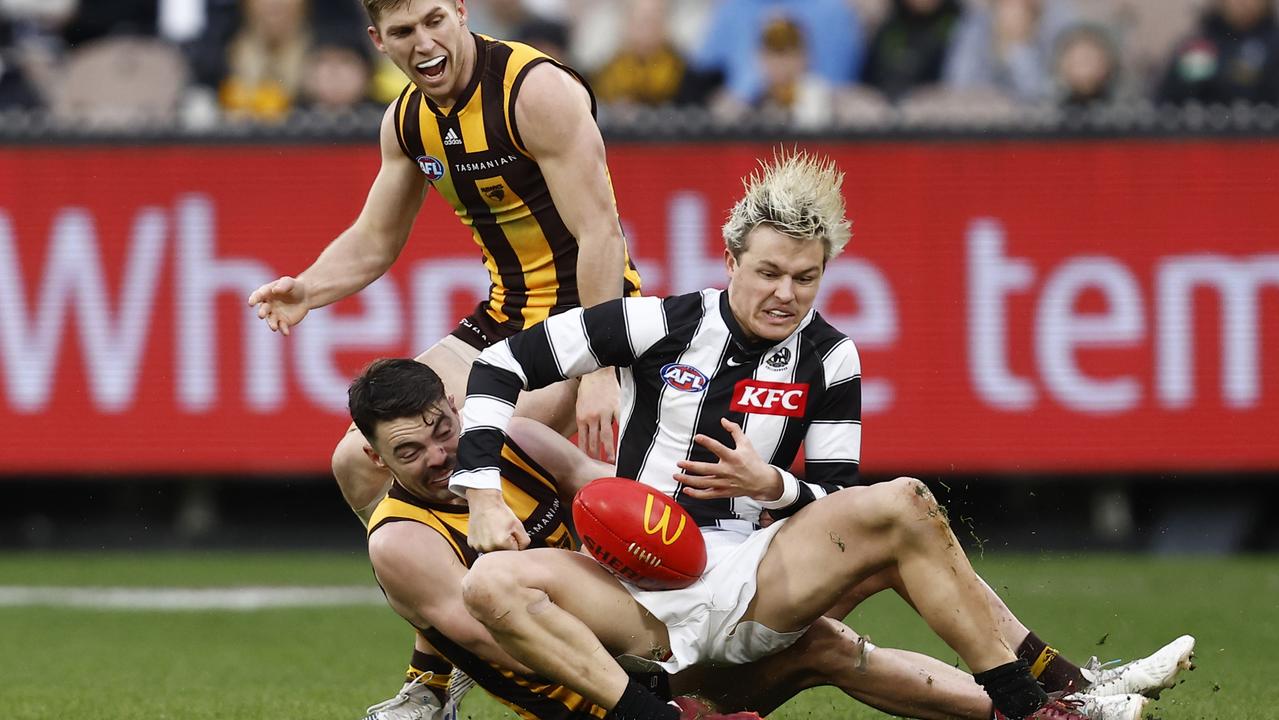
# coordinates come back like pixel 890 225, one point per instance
pixel 417 545
pixel 707 379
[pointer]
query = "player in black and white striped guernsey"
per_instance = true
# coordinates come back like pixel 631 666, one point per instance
pixel 687 363
pixel 719 389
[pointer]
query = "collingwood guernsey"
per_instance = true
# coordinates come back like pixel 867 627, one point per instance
pixel 685 363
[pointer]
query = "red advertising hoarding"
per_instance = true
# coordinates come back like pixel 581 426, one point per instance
pixel 1021 306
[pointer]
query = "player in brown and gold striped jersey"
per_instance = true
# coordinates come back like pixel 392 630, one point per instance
pixel 507 136
pixel 417 533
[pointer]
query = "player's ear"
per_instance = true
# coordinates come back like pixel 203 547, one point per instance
pixel 461 11
pixel 730 262
pixel 372 455
pixel 376 37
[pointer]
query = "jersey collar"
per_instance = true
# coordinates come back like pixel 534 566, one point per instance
pixel 481 61
pixel 743 344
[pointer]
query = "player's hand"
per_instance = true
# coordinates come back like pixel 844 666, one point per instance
pixel 598 397
pixel 739 471
pixel 281 303
pixel 492 525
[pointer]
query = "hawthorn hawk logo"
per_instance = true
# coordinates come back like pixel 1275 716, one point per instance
pixel 496 193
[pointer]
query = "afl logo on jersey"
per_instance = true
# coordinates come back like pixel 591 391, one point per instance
pixel 433 169
pixel 684 378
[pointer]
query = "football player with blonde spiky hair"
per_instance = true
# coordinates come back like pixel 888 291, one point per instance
pixel 800 195
pixel 721 389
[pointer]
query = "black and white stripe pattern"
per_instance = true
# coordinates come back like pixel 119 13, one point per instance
pixel 707 360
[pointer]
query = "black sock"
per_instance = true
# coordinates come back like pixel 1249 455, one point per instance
pixel 638 703
pixel 1012 689
pixel 1052 669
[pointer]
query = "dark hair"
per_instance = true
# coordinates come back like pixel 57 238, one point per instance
pixel 392 388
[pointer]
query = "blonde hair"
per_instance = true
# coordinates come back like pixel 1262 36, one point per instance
pixel 375 8
pixel 799 195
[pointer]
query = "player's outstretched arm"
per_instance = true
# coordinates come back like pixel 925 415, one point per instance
pixel 570 468
pixel 362 253
pixel 553 112
pixel 422 579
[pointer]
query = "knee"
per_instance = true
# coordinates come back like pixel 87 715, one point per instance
pixel 490 580
pixel 898 504
pixel 907 499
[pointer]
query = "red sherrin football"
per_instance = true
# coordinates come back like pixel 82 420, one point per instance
pixel 641 535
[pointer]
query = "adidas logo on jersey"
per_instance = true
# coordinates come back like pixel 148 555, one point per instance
pixel 770 398
pixel 451 138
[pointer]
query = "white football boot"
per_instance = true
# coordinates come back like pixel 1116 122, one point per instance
pixel 418 702
pixel 1148 676
pixel 459 685
pixel 1110 707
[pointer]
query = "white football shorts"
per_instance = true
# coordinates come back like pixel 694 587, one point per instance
pixel 703 619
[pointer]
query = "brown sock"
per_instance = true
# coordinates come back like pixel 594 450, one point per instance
pixel 1052 669
pixel 436 669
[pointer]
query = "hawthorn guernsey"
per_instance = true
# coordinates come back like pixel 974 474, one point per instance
pixel 685 363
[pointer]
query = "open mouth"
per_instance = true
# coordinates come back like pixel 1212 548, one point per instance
pixel 432 68
pixel 442 476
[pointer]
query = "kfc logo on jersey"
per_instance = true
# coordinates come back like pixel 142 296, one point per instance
pixel 433 169
pixel 770 398
pixel 684 378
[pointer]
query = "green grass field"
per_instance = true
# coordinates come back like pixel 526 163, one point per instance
pixel 329 663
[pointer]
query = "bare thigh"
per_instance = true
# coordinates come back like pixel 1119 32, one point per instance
pixel 581 587
pixel 816 558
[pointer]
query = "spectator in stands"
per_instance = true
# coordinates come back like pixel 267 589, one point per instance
pixel 549 36
pixel 266 59
pixel 498 18
pixel 647 70
pixel 31 48
pixel 206 53
pixel 1087 67
pixel 909 48
pixel 1008 46
pixel 1233 56
pixel 832 33
pixel 792 94
pixel 337 72
pixel 98 19
pixel 790 90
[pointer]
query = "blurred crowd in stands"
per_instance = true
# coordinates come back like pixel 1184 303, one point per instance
pixel 808 63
